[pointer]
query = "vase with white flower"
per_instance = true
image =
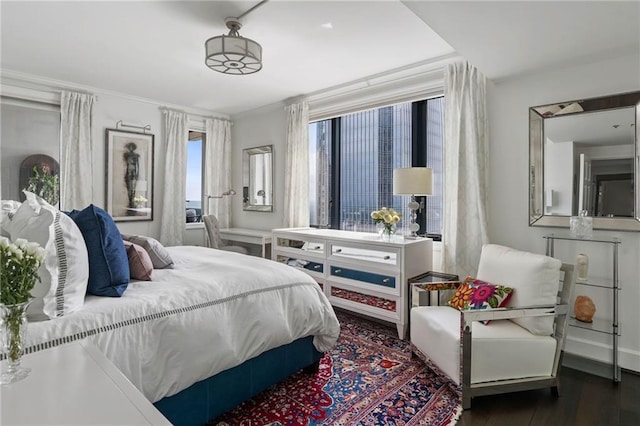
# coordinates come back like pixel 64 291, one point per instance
pixel 140 201
pixel 19 264
pixel 386 220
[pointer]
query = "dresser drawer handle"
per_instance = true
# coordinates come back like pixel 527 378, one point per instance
pixel 338 250
pixel 387 257
pixel 337 271
pixel 386 280
pixel 317 267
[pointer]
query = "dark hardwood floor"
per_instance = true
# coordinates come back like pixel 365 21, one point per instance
pixel 584 400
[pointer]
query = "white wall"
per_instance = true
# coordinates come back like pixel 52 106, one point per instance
pixel 509 101
pixel 264 126
pixel 108 110
pixel 558 177
pixel 26 130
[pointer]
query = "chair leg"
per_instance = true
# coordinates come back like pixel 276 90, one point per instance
pixel 555 391
pixel 466 402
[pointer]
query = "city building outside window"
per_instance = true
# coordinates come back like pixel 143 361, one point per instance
pixel 352 158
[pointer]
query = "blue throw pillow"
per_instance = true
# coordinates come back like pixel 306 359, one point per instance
pixel 108 262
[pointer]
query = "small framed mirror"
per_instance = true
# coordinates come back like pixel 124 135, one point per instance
pixel 257 178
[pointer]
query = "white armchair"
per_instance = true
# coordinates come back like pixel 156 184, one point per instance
pixel 521 347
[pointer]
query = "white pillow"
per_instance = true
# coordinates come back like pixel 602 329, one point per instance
pixel 65 271
pixel 8 209
pixel 535 280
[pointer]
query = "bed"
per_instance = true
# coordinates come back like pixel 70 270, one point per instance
pixel 199 338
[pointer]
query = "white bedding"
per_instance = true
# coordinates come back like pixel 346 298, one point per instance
pixel 213 311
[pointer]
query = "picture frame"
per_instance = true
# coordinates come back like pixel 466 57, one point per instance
pixel 129 175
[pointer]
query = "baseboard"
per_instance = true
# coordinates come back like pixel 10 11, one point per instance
pixel 587 365
pixel 594 357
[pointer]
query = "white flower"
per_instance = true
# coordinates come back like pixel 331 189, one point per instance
pixel 20 260
pixel 40 253
pixel 20 242
pixel 17 252
pixel 30 248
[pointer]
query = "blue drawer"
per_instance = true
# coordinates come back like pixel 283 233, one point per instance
pixel 368 277
pixel 299 263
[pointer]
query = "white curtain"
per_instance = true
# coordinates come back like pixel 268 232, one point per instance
pixel 466 167
pixel 173 203
pixel 296 186
pixel 76 150
pixel 217 169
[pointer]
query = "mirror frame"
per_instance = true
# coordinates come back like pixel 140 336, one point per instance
pixel 246 154
pixel 536 161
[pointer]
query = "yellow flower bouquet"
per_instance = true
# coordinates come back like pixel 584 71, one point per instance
pixel 387 217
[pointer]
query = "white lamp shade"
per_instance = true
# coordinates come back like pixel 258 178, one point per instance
pixel 413 181
pixel 233 54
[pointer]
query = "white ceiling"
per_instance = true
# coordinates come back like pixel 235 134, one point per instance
pixel 155 49
pixel 506 38
pixel 609 127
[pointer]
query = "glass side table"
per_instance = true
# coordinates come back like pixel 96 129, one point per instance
pixel 432 288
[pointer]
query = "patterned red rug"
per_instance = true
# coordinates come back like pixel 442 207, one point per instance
pixel 369 378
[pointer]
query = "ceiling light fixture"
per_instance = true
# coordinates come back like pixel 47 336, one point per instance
pixel 232 53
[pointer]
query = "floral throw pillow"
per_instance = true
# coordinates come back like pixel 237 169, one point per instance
pixel 476 294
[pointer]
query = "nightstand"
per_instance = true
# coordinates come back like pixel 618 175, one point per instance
pixel 432 288
pixel 75 384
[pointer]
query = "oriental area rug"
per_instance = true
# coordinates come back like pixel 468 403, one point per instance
pixel 369 378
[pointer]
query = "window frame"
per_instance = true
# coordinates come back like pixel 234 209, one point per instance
pixel 419 152
pixel 203 138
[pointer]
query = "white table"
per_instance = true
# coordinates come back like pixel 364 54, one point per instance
pixel 75 384
pixel 250 236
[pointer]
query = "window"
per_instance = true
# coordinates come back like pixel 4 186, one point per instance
pixel 352 158
pixel 193 204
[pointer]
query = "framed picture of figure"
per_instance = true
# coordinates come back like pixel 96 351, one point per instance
pixel 129 175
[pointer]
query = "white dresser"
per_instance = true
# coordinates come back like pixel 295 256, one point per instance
pixel 357 271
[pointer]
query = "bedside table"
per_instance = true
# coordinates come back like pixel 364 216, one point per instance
pixel 432 288
pixel 75 384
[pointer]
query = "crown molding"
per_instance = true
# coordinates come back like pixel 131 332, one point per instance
pixel 47 90
pixel 405 84
pixel 411 82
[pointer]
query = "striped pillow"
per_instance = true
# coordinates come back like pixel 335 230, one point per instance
pixel 65 271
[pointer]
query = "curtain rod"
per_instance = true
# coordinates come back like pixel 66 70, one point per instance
pixel 189 114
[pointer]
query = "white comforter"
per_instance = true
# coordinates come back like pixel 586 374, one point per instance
pixel 213 311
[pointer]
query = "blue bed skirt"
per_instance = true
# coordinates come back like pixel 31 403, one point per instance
pixel 207 399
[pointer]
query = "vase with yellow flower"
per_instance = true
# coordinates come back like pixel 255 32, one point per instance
pixel 386 220
pixel 19 264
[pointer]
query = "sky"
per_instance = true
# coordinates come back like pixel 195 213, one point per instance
pixel 194 170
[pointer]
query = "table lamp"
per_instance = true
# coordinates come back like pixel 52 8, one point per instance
pixel 413 181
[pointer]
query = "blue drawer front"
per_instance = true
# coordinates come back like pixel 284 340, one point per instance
pixel 367 277
pixel 300 263
pixel 313 266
